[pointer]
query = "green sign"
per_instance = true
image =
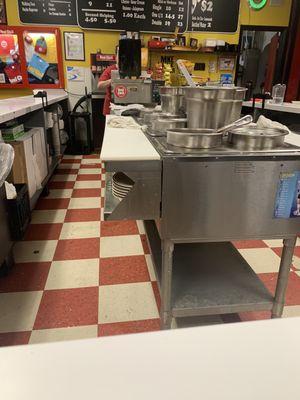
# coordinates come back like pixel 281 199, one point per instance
pixel 257 4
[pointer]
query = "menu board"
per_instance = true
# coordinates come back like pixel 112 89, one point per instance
pixel 213 15
pixel 133 15
pixel 47 12
pixel 161 16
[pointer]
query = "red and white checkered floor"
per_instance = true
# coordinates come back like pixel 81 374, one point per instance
pixel 77 276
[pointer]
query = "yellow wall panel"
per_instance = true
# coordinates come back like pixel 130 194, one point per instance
pixel 106 41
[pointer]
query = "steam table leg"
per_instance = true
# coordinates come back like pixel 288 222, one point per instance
pixel 166 285
pixel 283 276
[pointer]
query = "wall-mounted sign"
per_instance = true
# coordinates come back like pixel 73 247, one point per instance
pixel 162 16
pixel 213 15
pixel 257 4
pixel 43 12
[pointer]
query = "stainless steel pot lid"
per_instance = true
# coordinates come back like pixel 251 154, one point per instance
pixel 258 132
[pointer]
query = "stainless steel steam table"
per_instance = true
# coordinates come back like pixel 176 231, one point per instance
pixel 194 204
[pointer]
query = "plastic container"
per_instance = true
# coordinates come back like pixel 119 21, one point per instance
pixel 278 93
pixel 19 212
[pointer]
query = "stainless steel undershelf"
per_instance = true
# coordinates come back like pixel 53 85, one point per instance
pixel 111 202
pixel 210 278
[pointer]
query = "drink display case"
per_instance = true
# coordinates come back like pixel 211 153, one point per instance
pixel 30 57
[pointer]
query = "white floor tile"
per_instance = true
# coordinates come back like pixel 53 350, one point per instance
pixel 18 311
pixel 291 311
pixel 88 184
pixel 73 274
pixel 118 246
pixel 84 202
pixel 69 166
pixel 261 260
pixel 141 227
pixel 64 334
pixel 34 251
pixel 130 302
pixel 150 267
pixel 80 230
pixel 64 178
pixel 60 194
pixel 48 216
pixel 278 242
pixel 89 171
pixel 90 161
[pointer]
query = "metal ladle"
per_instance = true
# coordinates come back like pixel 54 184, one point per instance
pixel 246 120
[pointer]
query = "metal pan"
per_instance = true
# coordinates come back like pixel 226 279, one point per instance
pixel 194 138
pixel 160 126
pixel 254 138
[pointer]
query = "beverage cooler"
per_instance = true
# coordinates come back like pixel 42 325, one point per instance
pixel 30 57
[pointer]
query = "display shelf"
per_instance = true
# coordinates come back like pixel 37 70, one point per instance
pixel 209 278
pixel 190 50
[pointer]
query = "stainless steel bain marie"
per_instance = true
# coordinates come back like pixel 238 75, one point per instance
pixel 213 107
pixel 203 199
pixel 253 138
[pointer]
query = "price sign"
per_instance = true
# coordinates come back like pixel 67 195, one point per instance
pixel 44 12
pixel 213 15
pixel 133 15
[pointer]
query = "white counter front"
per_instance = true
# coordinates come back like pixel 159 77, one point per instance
pixel 126 144
pixel 285 107
pixel 241 361
pixel 18 106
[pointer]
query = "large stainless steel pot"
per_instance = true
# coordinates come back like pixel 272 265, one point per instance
pixel 149 116
pixel 172 100
pixel 194 138
pixel 160 126
pixel 213 107
pixel 253 138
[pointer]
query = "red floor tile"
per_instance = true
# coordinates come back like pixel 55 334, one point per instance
pixel 83 215
pixel 145 244
pixel 122 328
pixel 254 315
pixel 88 166
pixel 119 270
pixel 71 161
pixel 102 202
pixel 103 184
pixel 14 338
pixel 68 307
pixel 119 228
pixel 43 232
pixel 293 290
pixel 156 294
pixel 67 171
pixel 89 156
pixel 61 185
pixel 89 177
pixel 86 193
pixel 249 244
pixel 26 277
pixel 77 249
pixel 52 204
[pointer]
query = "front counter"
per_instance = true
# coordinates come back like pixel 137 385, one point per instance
pixel 194 204
pixel 250 360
